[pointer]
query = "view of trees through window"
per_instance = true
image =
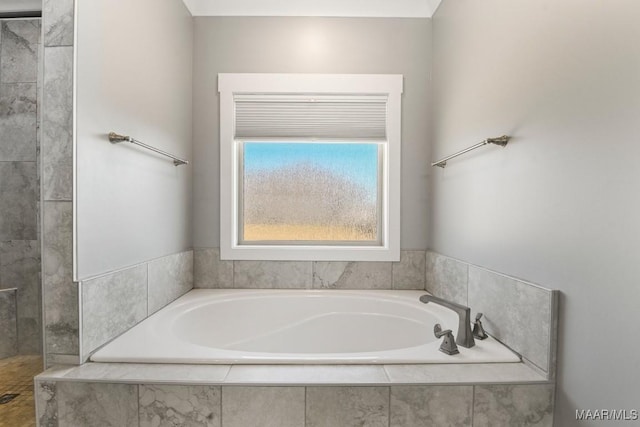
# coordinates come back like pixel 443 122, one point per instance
pixel 310 191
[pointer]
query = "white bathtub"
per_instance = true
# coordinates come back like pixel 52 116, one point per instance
pixel 296 326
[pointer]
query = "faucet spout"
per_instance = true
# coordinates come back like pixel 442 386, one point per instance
pixel 465 335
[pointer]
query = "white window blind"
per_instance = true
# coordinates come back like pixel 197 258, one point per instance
pixel 311 116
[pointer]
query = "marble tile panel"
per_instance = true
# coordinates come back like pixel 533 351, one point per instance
pixel 97 404
pixel 112 304
pixel 60 293
pixel 515 312
pixel 409 273
pixel 306 374
pixel 513 405
pixel 20 268
pixel 263 406
pixel 169 278
pixel 18 127
pixel 46 404
pixel 57 124
pixel 29 336
pixel 209 271
pixel 347 406
pixel 176 405
pixel 8 327
pixel 19 50
pixel 272 274
pixel 447 278
pixel 57 22
pixel 471 373
pixel 351 275
pixel 18 201
pixel 417 406
pixel 54 359
pixel 145 373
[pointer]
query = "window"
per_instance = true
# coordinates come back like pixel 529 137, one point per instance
pixel 310 167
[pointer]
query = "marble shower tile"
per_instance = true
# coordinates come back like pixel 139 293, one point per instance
pixel 19 50
pixel 409 273
pixel 97 404
pixel 20 268
pixel 176 405
pixel 18 127
pixel 111 304
pixel 46 404
pixel 57 124
pixel 513 405
pixel 417 406
pixel 351 275
pixel 18 201
pixel 169 278
pixel 60 293
pixel 347 406
pixel 515 312
pixel 8 327
pixel 263 406
pixel 272 274
pixel 447 278
pixel 58 22
pixel 209 271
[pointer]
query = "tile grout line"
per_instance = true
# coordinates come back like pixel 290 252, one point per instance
pixel 389 409
pixel 473 403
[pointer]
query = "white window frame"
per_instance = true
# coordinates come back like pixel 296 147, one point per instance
pixel 347 84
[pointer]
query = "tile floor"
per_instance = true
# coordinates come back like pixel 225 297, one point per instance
pixel 16 376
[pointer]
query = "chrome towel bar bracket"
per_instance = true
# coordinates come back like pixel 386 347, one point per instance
pixel 115 138
pixel 500 140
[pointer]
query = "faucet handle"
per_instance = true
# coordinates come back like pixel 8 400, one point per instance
pixel 448 345
pixel 478 330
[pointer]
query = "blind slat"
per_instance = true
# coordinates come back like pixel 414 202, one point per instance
pixel 310 116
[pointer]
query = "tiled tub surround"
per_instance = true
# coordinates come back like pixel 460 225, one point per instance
pixel 211 272
pixel 113 303
pixel 522 315
pixel 512 394
pixel 331 396
pixel 282 326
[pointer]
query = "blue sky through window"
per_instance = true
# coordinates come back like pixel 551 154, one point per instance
pixel 356 162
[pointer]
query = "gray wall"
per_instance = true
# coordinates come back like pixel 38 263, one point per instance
pixel 558 206
pixel 312 45
pixel 134 76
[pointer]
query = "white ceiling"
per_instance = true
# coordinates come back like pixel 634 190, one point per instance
pixel 346 8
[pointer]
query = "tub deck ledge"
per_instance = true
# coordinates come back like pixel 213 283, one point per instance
pixel 298 375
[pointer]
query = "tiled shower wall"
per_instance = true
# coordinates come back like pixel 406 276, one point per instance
pixel 19 177
pixel 8 323
pixel 60 293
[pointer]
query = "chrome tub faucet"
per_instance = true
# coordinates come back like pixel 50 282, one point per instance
pixel 464 336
